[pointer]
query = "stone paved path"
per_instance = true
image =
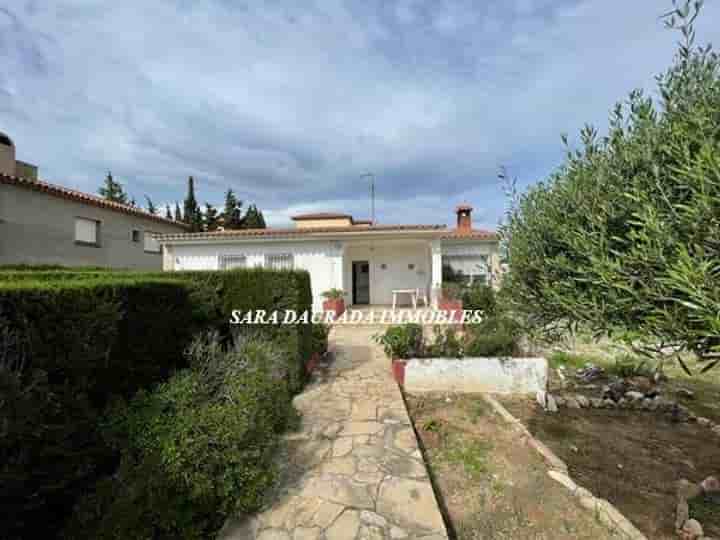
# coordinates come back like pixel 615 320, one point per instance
pixel 354 470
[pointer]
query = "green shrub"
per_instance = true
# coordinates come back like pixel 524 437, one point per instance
pixel 194 450
pixel 630 366
pixel 446 343
pixel 623 238
pixel 496 336
pixel 401 341
pixel 480 297
pixel 570 360
pixel 320 334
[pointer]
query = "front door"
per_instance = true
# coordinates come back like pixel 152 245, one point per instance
pixel 361 282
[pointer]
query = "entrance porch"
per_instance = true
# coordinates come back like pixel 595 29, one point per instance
pixel 373 270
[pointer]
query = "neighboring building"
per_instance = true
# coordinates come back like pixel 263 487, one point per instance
pixel 367 261
pixel 42 223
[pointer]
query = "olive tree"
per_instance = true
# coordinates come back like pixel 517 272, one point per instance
pixel 624 238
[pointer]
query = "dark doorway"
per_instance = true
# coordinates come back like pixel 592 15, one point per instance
pixel 361 282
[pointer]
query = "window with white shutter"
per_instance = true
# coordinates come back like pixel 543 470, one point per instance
pixel 230 262
pixel 283 261
pixel 87 231
pixel 151 245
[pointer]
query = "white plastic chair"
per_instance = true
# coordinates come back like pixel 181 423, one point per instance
pixel 421 296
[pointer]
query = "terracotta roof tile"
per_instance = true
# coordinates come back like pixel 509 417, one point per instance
pixel 478 234
pixel 83 198
pixel 245 233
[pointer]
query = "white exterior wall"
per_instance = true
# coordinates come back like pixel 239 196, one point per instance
pixel 320 259
pixel 395 275
pixel 329 262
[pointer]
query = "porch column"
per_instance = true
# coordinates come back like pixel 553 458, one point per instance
pixel 340 266
pixel 436 271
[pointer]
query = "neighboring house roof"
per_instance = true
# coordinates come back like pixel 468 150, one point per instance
pixel 310 231
pixel 321 215
pixel 474 234
pixel 83 198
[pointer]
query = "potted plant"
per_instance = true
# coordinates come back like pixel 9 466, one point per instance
pixel 450 301
pixel 400 343
pixel 335 301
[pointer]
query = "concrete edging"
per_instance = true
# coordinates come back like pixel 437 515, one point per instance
pixel 497 375
pixel 610 516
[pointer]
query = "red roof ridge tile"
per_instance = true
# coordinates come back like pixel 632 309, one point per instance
pixel 82 197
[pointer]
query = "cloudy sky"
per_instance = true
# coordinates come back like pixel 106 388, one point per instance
pixel 289 103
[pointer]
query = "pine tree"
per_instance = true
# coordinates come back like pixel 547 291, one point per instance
pixel 113 191
pixel 150 206
pixel 211 218
pixel 168 212
pixel 191 214
pixel 178 213
pixel 253 219
pixel 232 214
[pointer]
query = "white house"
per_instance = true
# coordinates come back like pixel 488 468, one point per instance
pixel 365 260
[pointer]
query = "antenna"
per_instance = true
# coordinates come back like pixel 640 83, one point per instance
pixel 372 194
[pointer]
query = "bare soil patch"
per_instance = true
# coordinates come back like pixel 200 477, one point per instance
pixel 489 483
pixel 631 458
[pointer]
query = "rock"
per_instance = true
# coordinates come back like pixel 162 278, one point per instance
pixel 589 373
pixel 582 401
pixel 659 377
pixel 710 485
pixel 551 405
pixel 609 404
pixel 559 401
pixel 633 395
pixel 623 403
pixel 682 513
pixel 643 384
pixel 704 422
pixel 687 490
pixel 596 403
pixel 716 429
pixel 648 404
pixel 692 530
pixel 541 398
pixel 572 403
pixel 685 393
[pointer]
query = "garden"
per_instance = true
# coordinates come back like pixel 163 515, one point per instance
pixel 131 409
pixel 614 279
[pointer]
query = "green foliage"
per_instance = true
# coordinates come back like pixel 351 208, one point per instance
pixel 630 366
pixel 253 219
pixel 87 336
pixel 113 191
pixel 334 294
pixel 570 360
pixel 191 210
pixel 480 297
pixel 232 214
pixel 451 291
pixel 194 450
pixel 623 238
pixel 320 334
pixel 495 336
pixel 401 341
pixel 211 219
pixel 446 343
pixel 151 208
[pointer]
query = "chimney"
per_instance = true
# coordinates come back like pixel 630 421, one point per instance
pixel 464 218
pixel 7 155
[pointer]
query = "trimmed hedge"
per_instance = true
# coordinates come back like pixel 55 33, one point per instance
pixel 71 340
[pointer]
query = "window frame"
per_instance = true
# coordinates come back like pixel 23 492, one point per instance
pixel 85 243
pixel 151 251
pixel 224 259
pixel 270 258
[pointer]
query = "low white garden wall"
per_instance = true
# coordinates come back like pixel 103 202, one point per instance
pixel 493 375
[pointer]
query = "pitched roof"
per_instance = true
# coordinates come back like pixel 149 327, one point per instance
pixel 473 234
pixel 307 231
pixel 83 198
pixel 321 215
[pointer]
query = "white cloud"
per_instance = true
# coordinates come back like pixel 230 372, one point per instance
pixel 289 103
